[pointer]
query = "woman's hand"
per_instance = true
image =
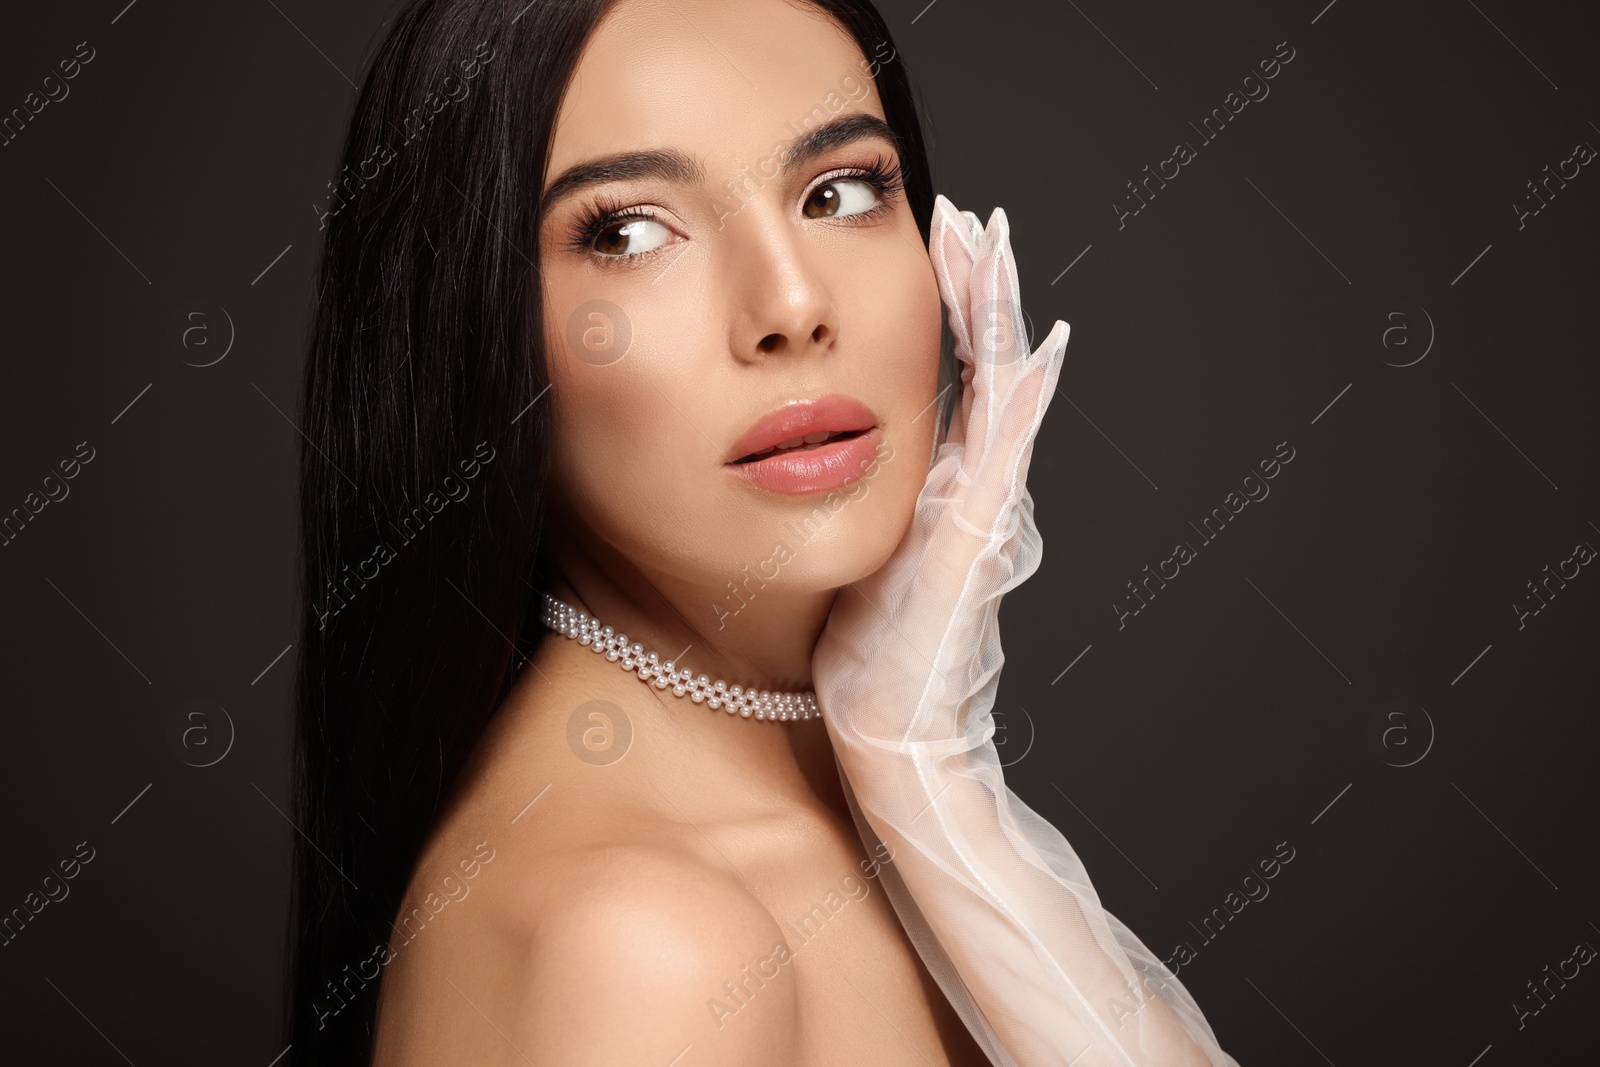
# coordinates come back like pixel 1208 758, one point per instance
pixel 919 623
pixel 906 671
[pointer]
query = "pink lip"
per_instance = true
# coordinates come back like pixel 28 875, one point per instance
pixel 804 470
pixel 830 465
pixel 833 412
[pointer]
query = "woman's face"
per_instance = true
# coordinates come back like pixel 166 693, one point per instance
pixel 731 287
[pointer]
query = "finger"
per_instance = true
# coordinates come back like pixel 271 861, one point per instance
pixel 1012 388
pixel 974 227
pixel 963 409
pixel 996 314
pixel 952 247
pixel 987 507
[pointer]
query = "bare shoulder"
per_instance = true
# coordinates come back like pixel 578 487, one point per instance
pixel 655 940
pixel 592 929
pixel 619 952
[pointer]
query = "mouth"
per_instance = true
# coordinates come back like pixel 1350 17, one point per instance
pixel 800 426
pixel 807 446
pixel 806 443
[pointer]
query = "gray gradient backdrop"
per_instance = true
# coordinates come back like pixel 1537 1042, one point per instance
pixel 1342 668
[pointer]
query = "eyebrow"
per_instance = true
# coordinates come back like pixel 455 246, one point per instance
pixel 671 165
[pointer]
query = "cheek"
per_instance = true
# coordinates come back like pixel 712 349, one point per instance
pixel 919 314
pixel 630 451
pixel 897 319
pixel 633 449
pixel 906 316
pixel 616 438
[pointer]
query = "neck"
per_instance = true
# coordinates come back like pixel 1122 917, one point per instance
pixel 762 638
pixel 767 645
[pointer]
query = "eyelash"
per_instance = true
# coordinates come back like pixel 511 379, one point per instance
pixel 884 175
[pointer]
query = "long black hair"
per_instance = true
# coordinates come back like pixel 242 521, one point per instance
pixel 422 478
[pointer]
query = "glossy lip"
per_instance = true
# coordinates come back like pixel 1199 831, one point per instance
pixel 833 412
pixel 830 465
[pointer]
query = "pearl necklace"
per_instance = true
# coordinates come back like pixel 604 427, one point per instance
pixel 764 704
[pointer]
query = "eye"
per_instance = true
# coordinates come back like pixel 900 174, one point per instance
pixel 633 236
pixel 841 197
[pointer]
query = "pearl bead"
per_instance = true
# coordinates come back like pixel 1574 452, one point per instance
pixel 734 699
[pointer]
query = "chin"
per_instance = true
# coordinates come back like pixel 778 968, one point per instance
pixel 845 539
pixel 814 543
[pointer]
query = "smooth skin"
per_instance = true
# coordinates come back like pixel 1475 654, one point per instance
pixel 648 861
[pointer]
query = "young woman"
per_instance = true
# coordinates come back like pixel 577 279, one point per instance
pixel 628 331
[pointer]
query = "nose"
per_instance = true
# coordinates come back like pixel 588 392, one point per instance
pixel 783 304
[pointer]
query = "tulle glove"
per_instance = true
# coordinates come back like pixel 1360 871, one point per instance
pixel 993 897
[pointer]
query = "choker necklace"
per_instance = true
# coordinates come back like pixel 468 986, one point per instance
pixel 763 704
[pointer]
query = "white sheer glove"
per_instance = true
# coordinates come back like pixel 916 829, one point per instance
pixel 993 897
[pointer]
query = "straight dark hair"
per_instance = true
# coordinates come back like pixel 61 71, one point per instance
pixel 422 477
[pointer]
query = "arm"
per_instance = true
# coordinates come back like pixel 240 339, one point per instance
pixel 1024 935
pixel 906 672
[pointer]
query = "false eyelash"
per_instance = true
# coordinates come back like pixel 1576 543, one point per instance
pixel 884 175
pixel 597 217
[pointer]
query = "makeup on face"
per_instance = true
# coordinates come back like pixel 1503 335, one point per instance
pixel 807 446
pixel 770 319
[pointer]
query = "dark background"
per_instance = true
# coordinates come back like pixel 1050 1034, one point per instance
pixel 1341 670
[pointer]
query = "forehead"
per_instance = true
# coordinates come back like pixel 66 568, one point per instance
pixel 719 79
